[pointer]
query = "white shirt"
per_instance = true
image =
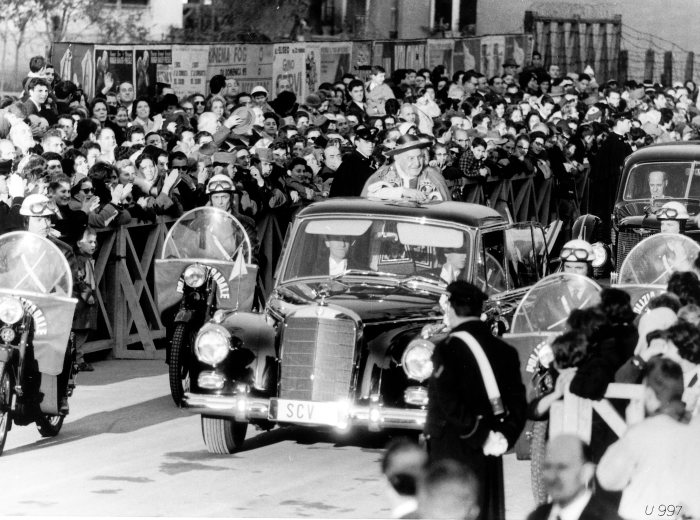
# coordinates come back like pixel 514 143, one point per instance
pixel 573 510
pixel 335 268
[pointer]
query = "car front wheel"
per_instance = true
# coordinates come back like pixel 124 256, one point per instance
pixel 223 436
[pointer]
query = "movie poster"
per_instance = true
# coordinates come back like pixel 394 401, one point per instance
pixel 493 49
pixel 439 52
pixel 189 70
pixel 288 69
pixel 335 61
pixel 113 64
pixel 147 62
pixel 313 68
pixel 361 59
pixel 76 62
pixel 250 64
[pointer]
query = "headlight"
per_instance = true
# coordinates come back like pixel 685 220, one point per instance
pixel 195 275
pixel 212 344
pixel 416 360
pixel 600 255
pixel 11 310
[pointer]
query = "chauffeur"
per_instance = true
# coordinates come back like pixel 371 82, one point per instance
pixel 466 419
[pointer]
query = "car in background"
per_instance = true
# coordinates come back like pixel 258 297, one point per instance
pixel 343 341
pixel 651 177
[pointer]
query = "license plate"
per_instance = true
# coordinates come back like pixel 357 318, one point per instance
pixel 307 412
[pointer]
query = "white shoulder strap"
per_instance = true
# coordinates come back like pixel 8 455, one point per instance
pixel 486 370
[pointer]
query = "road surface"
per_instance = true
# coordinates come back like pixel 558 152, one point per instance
pixel 126 450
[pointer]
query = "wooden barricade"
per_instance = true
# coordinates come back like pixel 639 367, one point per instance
pixel 128 316
pixel 573 414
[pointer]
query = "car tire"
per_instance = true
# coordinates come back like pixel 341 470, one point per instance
pixel 178 369
pixel 5 401
pixel 223 436
pixel 538 443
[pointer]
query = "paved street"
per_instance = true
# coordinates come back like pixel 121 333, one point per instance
pixel 125 450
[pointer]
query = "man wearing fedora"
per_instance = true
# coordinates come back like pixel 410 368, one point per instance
pixel 408 176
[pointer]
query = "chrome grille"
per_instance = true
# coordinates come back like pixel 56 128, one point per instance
pixel 626 240
pixel 317 358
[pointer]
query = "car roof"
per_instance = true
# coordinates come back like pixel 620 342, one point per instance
pixel 680 151
pixel 466 213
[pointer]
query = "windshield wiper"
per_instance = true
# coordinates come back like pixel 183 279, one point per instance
pixel 362 272
pixel 435 282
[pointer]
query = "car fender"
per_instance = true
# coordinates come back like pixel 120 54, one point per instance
pixel 254 332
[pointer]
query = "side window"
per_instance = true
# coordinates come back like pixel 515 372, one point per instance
pixel 490 275
pixel 526 254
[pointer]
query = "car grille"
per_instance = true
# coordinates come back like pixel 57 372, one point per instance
pixel 626 240
pixel 317 358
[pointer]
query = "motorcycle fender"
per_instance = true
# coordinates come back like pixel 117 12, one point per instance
pixel 184 316
pixel 49 387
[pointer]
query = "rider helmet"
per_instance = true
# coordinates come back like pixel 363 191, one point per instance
pixel 36 205
pixel 577 250
pixel 220 183
pixel 673 211
pixel 672 217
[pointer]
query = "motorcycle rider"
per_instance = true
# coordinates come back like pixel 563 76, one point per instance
pixel 36 211
pixel 223 194
pixel 577 256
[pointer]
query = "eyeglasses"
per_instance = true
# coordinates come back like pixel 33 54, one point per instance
pixel 573 255
pixel 88 190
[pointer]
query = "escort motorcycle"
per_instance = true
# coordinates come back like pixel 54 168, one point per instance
pixel 37 362
pixel 206 256
pixel 540 317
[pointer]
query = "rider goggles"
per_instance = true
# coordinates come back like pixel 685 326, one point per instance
pixel 38 208
pixel 667 213
pixel 574 255
pixel 221 186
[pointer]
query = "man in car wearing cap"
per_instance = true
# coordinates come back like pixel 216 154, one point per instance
pixel 477 405
pixel 357 167
pixel 408 176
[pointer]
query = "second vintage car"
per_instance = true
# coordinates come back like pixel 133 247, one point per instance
pixel 340 343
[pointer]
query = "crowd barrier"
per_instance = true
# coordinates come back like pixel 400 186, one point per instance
pixel 129 319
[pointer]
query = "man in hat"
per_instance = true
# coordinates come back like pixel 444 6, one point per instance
pixel 408 176
pixel 477 405
pixel 357 167
pixel 511 67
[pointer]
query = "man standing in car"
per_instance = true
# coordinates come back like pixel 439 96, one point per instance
pixel 477 405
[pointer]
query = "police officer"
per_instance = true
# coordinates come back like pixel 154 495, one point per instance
pixel 466 420
pixel 223 194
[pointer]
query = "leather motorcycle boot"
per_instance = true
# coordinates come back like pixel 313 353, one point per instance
pixel 63 408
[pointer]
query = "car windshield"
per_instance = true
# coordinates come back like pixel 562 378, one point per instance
pixel 378 247
pixel 677 180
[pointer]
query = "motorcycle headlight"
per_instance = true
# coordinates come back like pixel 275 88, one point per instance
pixel 600 255
pixel 11 310
pixel 416 360
pixel 195 275
pixel 212 344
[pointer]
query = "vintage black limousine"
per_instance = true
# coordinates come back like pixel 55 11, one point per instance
pixel 341 341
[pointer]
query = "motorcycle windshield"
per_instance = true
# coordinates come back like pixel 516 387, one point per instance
pixel 656 258
pixel 547 305
pixel 207 233
pixel 30 263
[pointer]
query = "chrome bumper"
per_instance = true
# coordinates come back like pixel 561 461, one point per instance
pixel 242 407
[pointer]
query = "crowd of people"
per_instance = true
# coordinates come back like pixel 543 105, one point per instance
pixel 77 165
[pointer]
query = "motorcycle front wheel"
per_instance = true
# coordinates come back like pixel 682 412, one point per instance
pixel 49 425
pixel 178 370
pixel 5 403
pixel 223 436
